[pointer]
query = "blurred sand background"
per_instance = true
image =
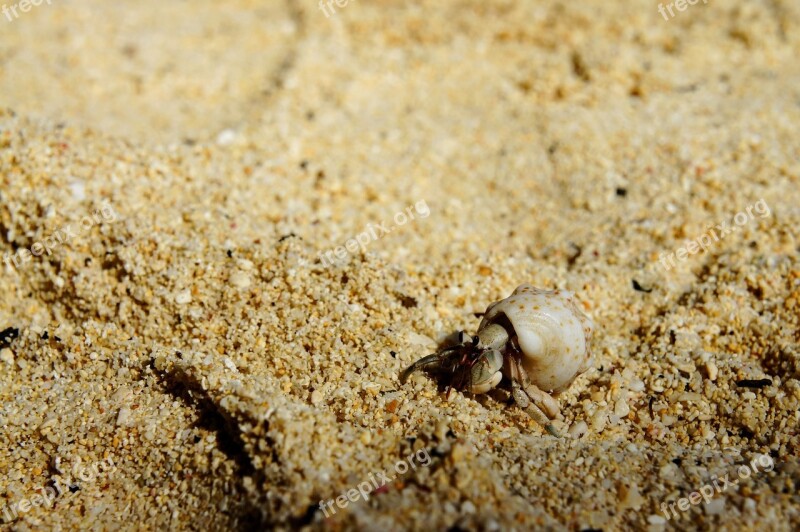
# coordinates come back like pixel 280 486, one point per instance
pixel 193 335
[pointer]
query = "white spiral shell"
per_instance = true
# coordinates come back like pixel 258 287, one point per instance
pixel 552 333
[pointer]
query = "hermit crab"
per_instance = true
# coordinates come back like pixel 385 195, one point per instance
pixel 538 339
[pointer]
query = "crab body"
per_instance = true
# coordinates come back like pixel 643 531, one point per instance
pixel 538 339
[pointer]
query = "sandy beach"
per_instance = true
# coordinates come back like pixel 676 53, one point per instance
pixel 227 228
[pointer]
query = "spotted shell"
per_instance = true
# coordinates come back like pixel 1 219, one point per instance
pixel 552 333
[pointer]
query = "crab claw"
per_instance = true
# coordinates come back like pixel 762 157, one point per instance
pixel 430 360
pixel 486 372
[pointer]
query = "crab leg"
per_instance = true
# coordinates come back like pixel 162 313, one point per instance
pixel 532 410
pixel 530 398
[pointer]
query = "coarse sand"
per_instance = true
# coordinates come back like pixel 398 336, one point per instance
pixel 191 340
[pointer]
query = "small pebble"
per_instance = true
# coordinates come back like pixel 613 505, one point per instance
pixel 240 280
pixel 715 506
pixel 578 429
pixel 121 394
pixel 712 370
pixel 629 496
pixel 7 355
pixel 599 420
pixel 229 364
pixel 418 339
pixel 226 137
pixel 621 408
pixel 636 385
pixel 78 189
pixel 316 397
pixel 183 297
pixel 245 264
pixel 124 416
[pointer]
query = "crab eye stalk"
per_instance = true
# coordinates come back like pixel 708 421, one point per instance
pixel 463 337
